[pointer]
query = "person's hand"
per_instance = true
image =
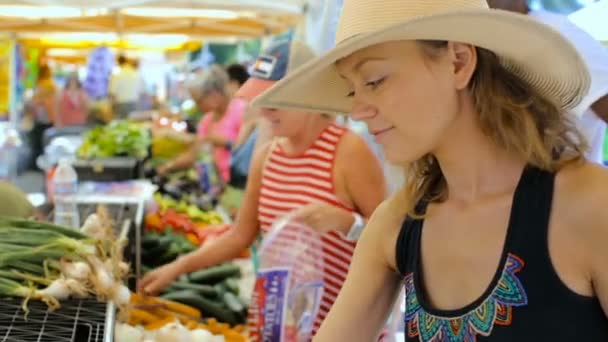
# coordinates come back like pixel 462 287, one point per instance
pixel 162 170
pixel 157 280
pixel 323 218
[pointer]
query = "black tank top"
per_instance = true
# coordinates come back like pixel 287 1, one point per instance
pixel 526 300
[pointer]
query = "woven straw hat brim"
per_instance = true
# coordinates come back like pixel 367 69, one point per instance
pixel 535 52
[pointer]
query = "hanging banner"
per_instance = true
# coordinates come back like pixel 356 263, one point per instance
pixel 6 75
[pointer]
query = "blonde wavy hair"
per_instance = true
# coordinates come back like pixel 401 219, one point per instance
pixel 516 117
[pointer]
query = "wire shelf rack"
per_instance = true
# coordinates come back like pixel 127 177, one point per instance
pixel 76 321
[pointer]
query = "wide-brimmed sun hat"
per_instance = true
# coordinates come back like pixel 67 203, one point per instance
pixel 535 52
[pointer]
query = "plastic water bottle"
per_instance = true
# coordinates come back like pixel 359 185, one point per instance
pixel 65 187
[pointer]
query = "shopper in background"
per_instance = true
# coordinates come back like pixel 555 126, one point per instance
pixel 73 104
pixel 253 133
pixel 220 125
pixel 500 231
pixel 593 110
pixel 43 109
pixel 125 88
pixel 307 170
pixel 238 75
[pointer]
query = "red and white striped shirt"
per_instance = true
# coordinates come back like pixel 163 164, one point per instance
pixel 292 182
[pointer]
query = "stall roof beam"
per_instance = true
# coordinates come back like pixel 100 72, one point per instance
pixel 270 6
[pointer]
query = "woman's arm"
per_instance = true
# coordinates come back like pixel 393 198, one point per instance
pixel 183 161
pixel 371 287
pixel 246 228
pixel 362 173
pixel 359 173
pixel 594 218
pixel 225 248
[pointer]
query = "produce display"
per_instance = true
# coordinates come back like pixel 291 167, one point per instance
pixel 160 248
pixel 182 186
pixel 213 291
pixel 160 319
pixel 198 226
pixel 184 207
pixel 42 261
pixel 116 139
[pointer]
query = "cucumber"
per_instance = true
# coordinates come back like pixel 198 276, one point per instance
pixel 215 274
pixel 183 278
pixel 149 241
pixel 168 257
pixel 204 290
pixel 233 303
pixel 232 284
pixel 157 250
pixel 208 307
pixel 177 295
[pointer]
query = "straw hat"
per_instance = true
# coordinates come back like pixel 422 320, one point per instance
pixel 532 50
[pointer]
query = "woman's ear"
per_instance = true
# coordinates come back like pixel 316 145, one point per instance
pixel 464 60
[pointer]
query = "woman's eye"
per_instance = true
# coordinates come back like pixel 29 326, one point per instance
pixel 371 84
pixel 374 84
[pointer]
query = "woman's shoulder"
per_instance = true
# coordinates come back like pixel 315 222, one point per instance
pixel 581 191
pixel 350 142
pixel 236 108
pixel 385 225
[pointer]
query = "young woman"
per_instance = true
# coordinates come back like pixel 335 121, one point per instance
pixel 500 231
pixel 73 104
pixel 306 172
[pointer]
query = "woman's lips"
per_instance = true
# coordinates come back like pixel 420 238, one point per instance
pixel 379 132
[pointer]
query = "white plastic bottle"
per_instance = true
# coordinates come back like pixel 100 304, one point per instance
pixel 65 187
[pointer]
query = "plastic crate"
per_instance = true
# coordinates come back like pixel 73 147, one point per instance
pixel 109 169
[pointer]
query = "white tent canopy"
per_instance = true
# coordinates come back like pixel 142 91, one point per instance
pixel 197 18
pixel 593 19
pixel 286 6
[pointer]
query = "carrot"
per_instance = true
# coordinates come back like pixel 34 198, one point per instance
pixel 191 325
pixel 180 308
pixel 138 299
pixel 239 328
pixel 163 313
pixel 233 336
pixel 193 238
pixel 159 323
pixel 224 327
pixel 142 316
pixel 213 326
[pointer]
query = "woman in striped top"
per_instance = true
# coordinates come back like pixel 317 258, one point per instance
pixel 304 171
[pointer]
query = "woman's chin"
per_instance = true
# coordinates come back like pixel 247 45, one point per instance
pixel 399 157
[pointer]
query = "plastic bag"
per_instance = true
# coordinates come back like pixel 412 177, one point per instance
pixel 289 284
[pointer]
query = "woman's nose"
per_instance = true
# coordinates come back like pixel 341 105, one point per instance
pixel 361 112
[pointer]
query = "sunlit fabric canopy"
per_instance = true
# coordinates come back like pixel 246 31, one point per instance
pixel 234 18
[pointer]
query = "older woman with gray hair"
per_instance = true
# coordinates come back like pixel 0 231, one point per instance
pixel 219 126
